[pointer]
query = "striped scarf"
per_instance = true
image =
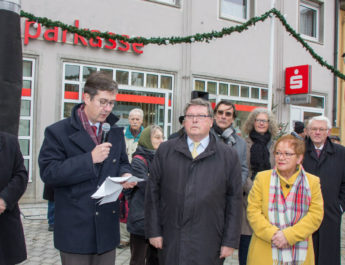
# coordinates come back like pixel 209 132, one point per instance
pixel 86 124
pixel 286 212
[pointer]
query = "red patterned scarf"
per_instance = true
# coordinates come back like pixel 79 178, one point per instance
pixel 86 124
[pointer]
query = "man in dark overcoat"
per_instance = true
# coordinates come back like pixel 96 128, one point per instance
pixel 193 199
pixel 13 182
pixel 327 161
pixel 75 163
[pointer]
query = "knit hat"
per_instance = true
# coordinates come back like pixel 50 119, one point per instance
pixel 299 127
pixel 145 138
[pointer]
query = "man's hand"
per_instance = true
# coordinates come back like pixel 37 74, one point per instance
pixel 128 185
pixel 280 240
pixel 2 206
pixel 157 242
pixel 100 152
pixel 225 252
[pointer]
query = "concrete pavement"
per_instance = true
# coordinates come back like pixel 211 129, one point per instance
pixel 40 247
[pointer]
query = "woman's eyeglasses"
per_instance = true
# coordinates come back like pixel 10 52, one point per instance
pixel 284 155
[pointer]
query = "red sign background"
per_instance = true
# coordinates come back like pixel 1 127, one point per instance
pixel 297 79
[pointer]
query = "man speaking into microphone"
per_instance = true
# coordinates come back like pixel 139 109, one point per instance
pixel 75 158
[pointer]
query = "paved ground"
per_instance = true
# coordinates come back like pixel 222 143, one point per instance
pixel 40 242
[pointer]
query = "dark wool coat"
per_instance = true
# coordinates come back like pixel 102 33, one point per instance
pixel 13 182
pixel 140 169
pixel 194 204
pixel 330 168
pixel 81 226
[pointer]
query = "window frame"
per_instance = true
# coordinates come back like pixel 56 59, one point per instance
pixel 172 3
pixel 30 118
pixel 316 6
pixel 249 12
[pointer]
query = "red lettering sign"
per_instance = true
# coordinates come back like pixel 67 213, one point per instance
pixel 33 30
pixel 297 79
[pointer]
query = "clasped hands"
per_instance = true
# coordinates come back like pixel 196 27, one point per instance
pixel 279 240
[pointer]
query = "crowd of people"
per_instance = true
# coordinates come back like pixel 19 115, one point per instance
pixel 205 192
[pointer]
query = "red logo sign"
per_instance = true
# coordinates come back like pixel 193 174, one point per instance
pixel 297 79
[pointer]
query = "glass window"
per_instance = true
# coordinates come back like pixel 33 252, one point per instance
pixel 27 68
pixel 245 91
pixel 234 9
pixel 309 20
pixel 87 71
pixel 108 72
pixel 68 109
pixel 24 128
pixel 122 77
pixel 212 87
pixel 24 146
pixel 255 92
pixel 137 79
pixel 152 80
pixel 264 93
pixel 199 85
pixel 72 72
pixel 71 91
pixel 166 82
pixel 25 108
pixel 223 89
pixel 234 90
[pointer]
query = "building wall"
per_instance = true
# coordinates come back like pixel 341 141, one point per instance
pixel 242 58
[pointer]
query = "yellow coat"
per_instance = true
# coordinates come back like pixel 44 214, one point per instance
pixel 260 251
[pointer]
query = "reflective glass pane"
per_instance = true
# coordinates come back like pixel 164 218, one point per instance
pixel 137 79
pixel 26 90
pixel 24 127
pixel 212 87
pixel 234 8
pixel 166 82
pixel 27 84
pixel 234 90
pixel 169 115
pixel 223 89
pixel 24 146
pixel 72 72
pixel 107 72
pixel 71 91
pixel 122 77
pixel 68 109
pixel 255 92
pixel 87 71
pixel 151 80
pixel 199 85
pixel 264 94
pixel 25 108
pixel 245 91
pixel 26 164
pixel 27 68
pixel 308 21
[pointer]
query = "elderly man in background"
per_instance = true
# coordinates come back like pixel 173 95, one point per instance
pixel 224 117
pixel 326 160
pixel 193 202
pixel 132 134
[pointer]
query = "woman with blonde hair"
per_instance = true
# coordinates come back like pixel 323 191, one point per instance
pixel 261 128
pixel 285 207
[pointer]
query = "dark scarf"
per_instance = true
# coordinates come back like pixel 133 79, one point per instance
pixel 226 135
pixel 259 154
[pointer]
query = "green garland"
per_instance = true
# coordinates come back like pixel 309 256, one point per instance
pixel 199 37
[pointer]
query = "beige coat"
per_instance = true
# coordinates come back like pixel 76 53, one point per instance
pixel 246 229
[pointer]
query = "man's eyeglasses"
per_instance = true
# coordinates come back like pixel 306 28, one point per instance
pixel 103 102
pixel 198 117
pixel 227 113
pixel 284 155
pixel 318 129
pixel 261 121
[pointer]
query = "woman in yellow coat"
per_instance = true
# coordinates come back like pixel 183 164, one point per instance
pixel 285 207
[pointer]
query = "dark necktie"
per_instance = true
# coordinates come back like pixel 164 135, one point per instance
pixel 318 152
pixel 94 129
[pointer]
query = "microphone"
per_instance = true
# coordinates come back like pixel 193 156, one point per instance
pixel 105 129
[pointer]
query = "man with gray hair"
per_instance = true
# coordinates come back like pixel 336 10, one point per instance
pixel 193 199
pixel 326 160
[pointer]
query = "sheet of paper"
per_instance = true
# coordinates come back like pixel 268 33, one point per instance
pixel 111 188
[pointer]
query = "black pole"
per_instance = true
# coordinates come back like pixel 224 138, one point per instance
pixel 11 66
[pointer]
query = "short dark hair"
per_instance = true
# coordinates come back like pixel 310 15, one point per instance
pixel 228 103
pixel 99 81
